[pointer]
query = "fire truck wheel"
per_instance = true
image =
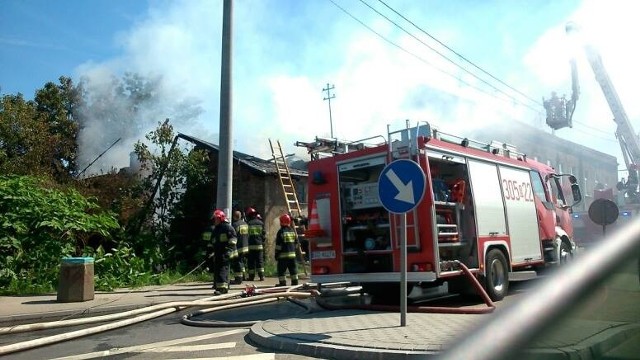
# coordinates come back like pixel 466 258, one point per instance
pixel 565 255
pixel 496 280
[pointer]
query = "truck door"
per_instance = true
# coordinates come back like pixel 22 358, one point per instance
pixel 545 209
pixel 521 214
pixel 487 193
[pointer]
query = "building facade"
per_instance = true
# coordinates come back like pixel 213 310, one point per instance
pixel 255 184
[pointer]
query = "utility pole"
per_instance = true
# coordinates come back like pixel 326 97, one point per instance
pixel 225 154
pixel 329 97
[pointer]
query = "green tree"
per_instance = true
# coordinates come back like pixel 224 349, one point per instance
pixel 58 106
pixel 22 131
pixel 39 137
pixel 171 167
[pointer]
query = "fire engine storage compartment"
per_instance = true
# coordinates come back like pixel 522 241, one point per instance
pixel 366 230
pixel 76 281
pixel 365 223
pixel 453 210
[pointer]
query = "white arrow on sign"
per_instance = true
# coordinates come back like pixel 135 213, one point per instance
pixel 405 191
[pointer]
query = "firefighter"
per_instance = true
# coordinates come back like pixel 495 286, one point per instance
pixel 238 263
pixel 255 257
pixel 286 243
pixel 224 247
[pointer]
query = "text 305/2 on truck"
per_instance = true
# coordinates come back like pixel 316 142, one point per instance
pixel 484 205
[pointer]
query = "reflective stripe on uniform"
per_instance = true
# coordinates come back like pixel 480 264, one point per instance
pixel 255 230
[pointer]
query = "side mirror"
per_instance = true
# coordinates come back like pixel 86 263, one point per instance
pixel 573 180
pixel 575 191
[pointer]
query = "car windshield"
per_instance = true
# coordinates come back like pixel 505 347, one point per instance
pixel 589 309
pixel 397 146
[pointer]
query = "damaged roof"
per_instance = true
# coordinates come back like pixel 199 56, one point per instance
pixel 260 165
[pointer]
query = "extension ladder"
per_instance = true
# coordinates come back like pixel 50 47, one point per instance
pixel 290 195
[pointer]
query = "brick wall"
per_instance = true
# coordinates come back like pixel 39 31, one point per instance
pixel 264 193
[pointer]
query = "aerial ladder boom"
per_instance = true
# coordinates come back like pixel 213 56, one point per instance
pixel 627 138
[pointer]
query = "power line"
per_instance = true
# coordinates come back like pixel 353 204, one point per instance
pixel 592 128
pixel 459 55
pixel 511 99
pixel 431 48
pixel 456 64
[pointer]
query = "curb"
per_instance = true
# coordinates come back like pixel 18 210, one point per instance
pixel 592 348
pixel 305 344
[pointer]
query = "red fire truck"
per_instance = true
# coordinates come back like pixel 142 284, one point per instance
pixel 484 205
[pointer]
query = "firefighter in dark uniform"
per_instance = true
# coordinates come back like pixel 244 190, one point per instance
pixel 286 243
pixel 238 263
pixel 224 247
pixel 255 258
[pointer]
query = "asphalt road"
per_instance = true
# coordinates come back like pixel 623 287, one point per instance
pixel 167 338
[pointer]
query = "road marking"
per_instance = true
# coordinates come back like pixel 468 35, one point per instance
pixel 267 356
pixel 140 348
pixel 226 345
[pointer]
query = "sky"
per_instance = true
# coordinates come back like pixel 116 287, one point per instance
pixel 457 64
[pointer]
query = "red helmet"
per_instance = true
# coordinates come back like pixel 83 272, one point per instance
pixel 250 212
pixel 285 220
pixel 219 215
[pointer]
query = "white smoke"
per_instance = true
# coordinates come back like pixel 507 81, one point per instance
pixel 286 52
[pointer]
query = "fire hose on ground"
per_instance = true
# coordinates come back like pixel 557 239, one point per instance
pixel 427 309
pixel 250 296
pixel 214 303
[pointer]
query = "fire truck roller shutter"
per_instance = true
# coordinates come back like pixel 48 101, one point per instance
pixel 522 219
pixel 487 195
pixel 491 223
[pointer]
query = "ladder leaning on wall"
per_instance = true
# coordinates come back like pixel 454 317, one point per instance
pixel 290 195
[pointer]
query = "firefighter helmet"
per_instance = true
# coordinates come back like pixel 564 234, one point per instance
pixel 219 215
pixel 285 220
pixel 250 212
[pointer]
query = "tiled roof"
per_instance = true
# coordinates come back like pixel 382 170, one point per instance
pixel 261 165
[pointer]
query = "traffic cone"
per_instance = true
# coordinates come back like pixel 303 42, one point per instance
pixel 314 230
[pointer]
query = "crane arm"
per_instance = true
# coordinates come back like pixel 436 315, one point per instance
pixel 627 138
pixel 625 134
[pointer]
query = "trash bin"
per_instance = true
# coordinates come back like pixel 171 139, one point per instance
pixel 76 279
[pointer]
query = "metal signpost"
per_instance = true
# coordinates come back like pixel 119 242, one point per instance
pixel 400 188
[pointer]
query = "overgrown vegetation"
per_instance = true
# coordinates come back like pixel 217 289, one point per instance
pixel 39 225
pixel 127 222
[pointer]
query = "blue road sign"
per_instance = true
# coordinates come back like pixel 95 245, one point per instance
pixel 401 186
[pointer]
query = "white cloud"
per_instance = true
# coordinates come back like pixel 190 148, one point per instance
pixel 603 25
pixel 284 55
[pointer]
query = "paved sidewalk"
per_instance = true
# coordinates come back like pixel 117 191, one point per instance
pixel 336 334
pixel 28 309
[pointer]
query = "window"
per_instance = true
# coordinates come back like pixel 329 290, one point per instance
pixel 538 188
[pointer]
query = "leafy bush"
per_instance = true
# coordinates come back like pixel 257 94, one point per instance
pixel 117 268
pixel 39 225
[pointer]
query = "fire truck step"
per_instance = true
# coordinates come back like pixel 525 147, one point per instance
pixel 522 275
